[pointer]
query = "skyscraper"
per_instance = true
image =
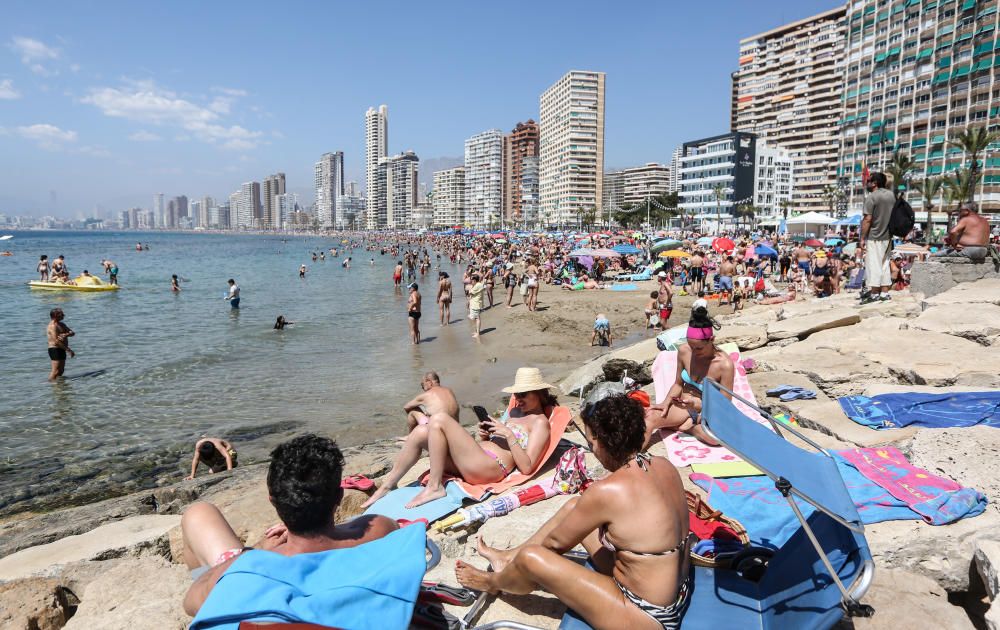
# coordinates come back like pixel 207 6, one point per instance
pixel 675 169
pixel 401 174
pixel 329 179
pixel 449 197
pixel 571 147
pixel 484 178
pixel 788 92
pixel 158 210
pixel 248 212
pixel 273 186
pixel 518 145
pixel 376 148
pixel 209 213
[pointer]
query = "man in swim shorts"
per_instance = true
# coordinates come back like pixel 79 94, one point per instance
pixel 397 274
pixel 413 312
pixel 58 335
pixel 726 271
pixel 234 294
pixel 434 399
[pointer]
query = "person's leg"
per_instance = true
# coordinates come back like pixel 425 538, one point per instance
pixel 498 558
pixel 447 312
pixel 413 447
pixel 56 370
pixel 61 367
pixel 207 535
pixel 448 440
pixel 676 419
pixel 591 594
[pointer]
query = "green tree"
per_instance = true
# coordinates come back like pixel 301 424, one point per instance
pixel 929 188
pixel 832 194
pixel 974 142
pixel 900 168
pixel 747 212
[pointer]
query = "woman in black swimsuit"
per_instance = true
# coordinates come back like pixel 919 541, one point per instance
pixel 641 577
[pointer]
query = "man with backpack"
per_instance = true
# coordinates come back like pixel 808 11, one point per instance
pixel 876 238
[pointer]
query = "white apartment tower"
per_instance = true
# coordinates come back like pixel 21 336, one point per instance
pixel 401 174
pixel 329 181
pixel 772 182
pixel 571 147
pixel 449 197
pixel 675 169
pixel 248 210
pixel 484 178
pixel 789 92
pixel 158 216
pixel 273 186
pixel 376 149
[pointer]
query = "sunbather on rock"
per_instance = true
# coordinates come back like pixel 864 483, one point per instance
pixel 697 359
pixel 434 399
pixel 642 576
pixel 503 446
pixel 303 482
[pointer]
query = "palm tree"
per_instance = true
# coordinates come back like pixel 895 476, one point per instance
pixel 900 168
pixel 832 194
pixel 718 191
pixel 929 188
pixel 957 186
pixel 745 212
pixel 974 142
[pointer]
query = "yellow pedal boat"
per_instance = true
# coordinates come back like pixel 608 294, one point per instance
pixel 81 283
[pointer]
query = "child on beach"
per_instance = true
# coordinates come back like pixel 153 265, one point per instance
pixel 602 329
pixel 652 310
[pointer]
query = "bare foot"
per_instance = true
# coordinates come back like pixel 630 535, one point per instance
pixel 378 494
pixel 427 495
pixel 471 577
pixel 498 558
pixel 474 335
pixel 699 432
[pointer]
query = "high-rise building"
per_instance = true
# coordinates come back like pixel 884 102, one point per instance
pixel 675 170
pixel 519 145
pixel 182 208
pixel 329 181
pixel 158 210
pixel 225 214
pixel 917 74
pixel 376 149
pixel 248 214
pixel 529 191
pixel 351 189
pixel 724 163
pixel 286 204
pixel 571 147
pixel 484 178
pixel 196 212
pixel 773 181
pixel 350 209
pixel 170 215
pixel 273 186
pixel 449 197
pixel 613 191
pixel 649 180
pixel 401 175
pixel 234 211
pixel 208 212
pixel 788 92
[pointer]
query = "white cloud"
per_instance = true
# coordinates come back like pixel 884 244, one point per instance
pixel 94 151
pixel 34 54
pixel 145 102
pixel 144 136
pixel 7 91
pixel 234 92
pixel 46 136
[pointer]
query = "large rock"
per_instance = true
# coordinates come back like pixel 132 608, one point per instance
pixel 966 455
pixel 836 373
pixel 592 372
pixel 977 322
pixel 829 418
pixel 934 277
pixel 615 369
pixel 987 557
pixel 982 292
pixel 745 337
pixel 133 536
pixel 806 325
pixel 905 600
pixel 137 594
pixel 34 604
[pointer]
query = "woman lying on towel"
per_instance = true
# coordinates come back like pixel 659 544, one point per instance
pixel 641 577
pixel 503 446
pixel 697 359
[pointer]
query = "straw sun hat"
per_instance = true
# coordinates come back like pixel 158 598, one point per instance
pixel 528 379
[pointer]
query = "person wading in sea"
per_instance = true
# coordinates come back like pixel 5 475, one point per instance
pixel 58 335
pixel 413 312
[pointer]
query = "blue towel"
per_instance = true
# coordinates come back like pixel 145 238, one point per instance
pixel 373 585
pixel 393 504
pixel 624 287
pixel 956 409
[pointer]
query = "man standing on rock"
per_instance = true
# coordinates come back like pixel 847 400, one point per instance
pixel 876 241
pixel 434 399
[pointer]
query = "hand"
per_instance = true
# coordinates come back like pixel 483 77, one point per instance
pixel 189 478
pixel 72 354
pixel 691 402
pixel 495 427
pixel 273 538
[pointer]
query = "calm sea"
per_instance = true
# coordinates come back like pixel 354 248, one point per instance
pixel 178 366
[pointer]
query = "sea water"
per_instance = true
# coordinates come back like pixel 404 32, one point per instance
pixel 177 366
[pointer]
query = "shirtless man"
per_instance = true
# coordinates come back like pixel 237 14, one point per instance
pixel 697 273
pixel 444 297
pixel 726 271
pixel 58 335
pixel 971 235
pixel 434 399
pixel 397 274
pixel 413 312
pixel 801 256
pixel 217 454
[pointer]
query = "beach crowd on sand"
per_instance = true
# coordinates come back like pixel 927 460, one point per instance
pixel 550 480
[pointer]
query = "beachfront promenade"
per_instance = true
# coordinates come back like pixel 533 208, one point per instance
pixel 124 565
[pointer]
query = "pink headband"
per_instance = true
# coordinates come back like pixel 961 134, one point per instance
pixel 700 333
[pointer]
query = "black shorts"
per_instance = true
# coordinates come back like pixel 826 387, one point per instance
pixel 697 274
pixel 414 314
pixel 57 354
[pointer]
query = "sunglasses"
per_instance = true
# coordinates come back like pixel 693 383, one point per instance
pixel 521 394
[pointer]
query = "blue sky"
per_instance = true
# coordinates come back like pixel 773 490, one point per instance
pixel 107 103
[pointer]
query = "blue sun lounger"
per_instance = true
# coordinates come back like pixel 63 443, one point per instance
pixel 823 570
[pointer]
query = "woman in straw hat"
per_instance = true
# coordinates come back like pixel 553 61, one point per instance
pixel 505 445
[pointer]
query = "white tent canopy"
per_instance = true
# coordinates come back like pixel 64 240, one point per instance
pixel 811 218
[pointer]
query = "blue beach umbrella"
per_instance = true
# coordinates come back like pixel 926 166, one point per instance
pixel 705 241
pixel 626 249
pixel 832 242
pixel 765 252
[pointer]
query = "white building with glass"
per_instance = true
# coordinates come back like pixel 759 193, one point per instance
pixel 484 178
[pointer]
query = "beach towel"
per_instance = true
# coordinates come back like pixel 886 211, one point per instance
pixel 393 504
pixel 683 449
pixel 937 500
pixel 954 409
pixel 339 588
pixel 624 287
pixel 726 469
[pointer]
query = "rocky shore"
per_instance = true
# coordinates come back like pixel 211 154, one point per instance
pixel 115 564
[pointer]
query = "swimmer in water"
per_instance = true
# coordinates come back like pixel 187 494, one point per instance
pixel 302 271
pixel 174 284
pixel 281 322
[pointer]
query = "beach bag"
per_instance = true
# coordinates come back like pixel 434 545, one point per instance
pixel 703 511
pixel 571 472
pixel 902 219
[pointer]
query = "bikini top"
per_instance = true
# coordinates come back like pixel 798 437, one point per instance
pixel 520 435
pixel 687 379
pixel 642 459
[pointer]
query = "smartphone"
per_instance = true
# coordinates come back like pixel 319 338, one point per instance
pixel 482 414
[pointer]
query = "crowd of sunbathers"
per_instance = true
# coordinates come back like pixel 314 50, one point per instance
pixel 638 576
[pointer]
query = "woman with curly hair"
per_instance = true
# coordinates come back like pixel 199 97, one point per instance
pixel 698 359
pixel 641 577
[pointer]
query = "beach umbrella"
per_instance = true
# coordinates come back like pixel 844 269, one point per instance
pixel 581 252
pixel 723 245
pixel 668 243
pixel 850 248
pixel 626 249
pixel 833 242
pixel 813 242
pixel 674 253
pixel 499 240
pixel 705 241
pixel 605 253
pixel 764 251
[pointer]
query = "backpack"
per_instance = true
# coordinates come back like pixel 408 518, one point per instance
pixel 902 219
